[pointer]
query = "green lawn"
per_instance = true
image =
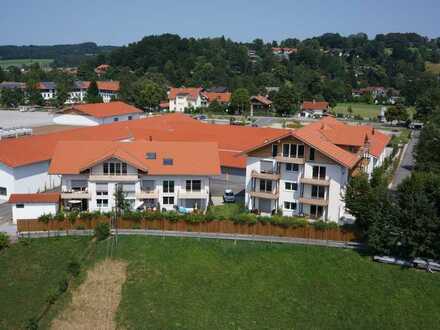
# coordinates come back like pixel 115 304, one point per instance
pixel 432 67
pixel 29 274
pixel 199 284
pixel 20 62
pixel 362 109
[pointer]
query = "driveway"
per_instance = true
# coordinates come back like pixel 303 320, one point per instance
pixel 407 163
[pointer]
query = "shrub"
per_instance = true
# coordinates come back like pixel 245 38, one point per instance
pixel 32 324
pixel 60 216
pixel 45 218
pixel 136 226
pixel 4 241
pixel 72 217
pixel 102 231
pixel 80 227
pixel 171 216
pixel 322 225
pixel 73 268
pixel 132 216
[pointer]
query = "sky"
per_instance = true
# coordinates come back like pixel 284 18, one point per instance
pixel 119 22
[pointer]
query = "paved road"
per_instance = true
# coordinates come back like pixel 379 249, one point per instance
pixel 407 163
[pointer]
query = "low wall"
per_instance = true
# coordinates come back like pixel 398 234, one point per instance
pixel 223 227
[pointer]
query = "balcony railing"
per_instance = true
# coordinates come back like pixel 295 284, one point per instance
pixel 188 194
pixel 314 201
pixel 291 160
pixel 316 181
pixel 147 194
pixel 265 194
pixel 266 175
pixel 75 194
pixel 121 177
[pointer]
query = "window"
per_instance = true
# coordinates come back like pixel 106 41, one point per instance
pixel 168 186
pixel 265 185
pixel 292 167
pixel 168 200
pixel 318 192
pixel 102 202
pixel 148 185
pixel 102 189
pixel 130 117
pixel 289 206
pixel 150 155
pixel 316 211
pixel 274 150
pixel 116 119
pixel 293 150
pixel 19 206
pixel 319 172
pixel 114 168
pixel 291 186
pixel 312 154
pixel 168 161
pixel 3 191
pixel 193 185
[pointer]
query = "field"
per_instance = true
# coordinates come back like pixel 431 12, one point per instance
pixel 204 284
pixel 361 109
pixel 433 67
pixel 20 62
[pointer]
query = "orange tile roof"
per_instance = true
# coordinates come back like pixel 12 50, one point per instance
pixel 172 127
pixel 314 105
pixel 113 86
pixel 34 198
pixel 193 92
pixel 262 99
pixel 72 157
pixel 219 97
pixel 103 110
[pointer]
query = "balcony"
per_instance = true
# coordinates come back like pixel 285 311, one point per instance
pixel 75 194
pixel 314 201
pixel 264 194
pixel 184 194
pixel 291 160
pixel 315 181
pixel 101 177
pixel 266 175
pixel 147 194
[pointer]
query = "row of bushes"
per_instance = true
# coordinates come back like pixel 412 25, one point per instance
pixel 239 218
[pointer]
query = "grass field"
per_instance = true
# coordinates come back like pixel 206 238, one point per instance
pixel 29 274
pixel 176 283
pixel 20 62
pixel 361 109
pixel 432 67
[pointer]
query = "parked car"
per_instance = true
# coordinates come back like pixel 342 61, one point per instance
pixel 228 196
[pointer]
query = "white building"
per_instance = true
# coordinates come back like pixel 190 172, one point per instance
pixel 32 206
pixel 48 90
pixel 181 99
pixel 313 109
pixel 305 172
pixel 97 114
pixel 151 174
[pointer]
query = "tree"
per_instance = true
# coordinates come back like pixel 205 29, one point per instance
pixel 286 101
pixel 93 95
pixel 427 151
pixel 12 97
pixel 240 100
pixel 148 94
pixel 397 113
pixel 33 93
pixel 216 107
pixel 121 203
pixel 64 87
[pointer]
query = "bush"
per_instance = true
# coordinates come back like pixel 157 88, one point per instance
pixel 45 218
pixel 73 268
pixel 60 216
pixel 322 225
pixel 132 216
pixel 102 231
pixel 72 217
pixel 4 241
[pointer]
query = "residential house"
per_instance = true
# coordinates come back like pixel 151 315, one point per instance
pixel 12 85
pixel 97 114
pixel 160 175
pixel 223 98
pixel 48 90
pixel 102 69
pixel 260 103
pixel 283 52
pixel 181 99
pixel 313 109
pixel 32 206
pixel 306 171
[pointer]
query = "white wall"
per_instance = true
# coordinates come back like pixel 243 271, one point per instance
pixel 6 181
pixel 180 103
pixel 32 210
pixel 82 120
pixel 290 196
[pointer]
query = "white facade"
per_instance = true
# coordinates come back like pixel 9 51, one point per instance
pixel 27 211
pixel 96 190
pixel 185 101
pixel 31 178
pixel 311 113
pixel 78 95
pixel 83 120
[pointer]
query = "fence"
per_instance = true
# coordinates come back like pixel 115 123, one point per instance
pixel 220 227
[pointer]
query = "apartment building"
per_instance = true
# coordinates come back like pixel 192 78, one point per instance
pixel 305 172
pixel 151 174
pixel 181 99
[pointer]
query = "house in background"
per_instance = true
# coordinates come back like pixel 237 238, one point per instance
pixel 102 69
pixel 283 53
pixel 32 206
pixel 181 99
pixel 48 90
pixel 260 103
pixel 313 109
pixel 223 98
pixel 97 114
pixel 12 85
pixel 160 175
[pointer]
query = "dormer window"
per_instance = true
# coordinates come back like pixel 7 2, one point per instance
pixel 168 161
pixel 150 155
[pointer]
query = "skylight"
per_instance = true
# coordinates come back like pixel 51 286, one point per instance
pixel 168 161
pixel 150 155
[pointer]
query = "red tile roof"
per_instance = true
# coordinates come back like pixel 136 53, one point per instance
pixel 219 97
pixel 34 198
pixel 231 140
pixel 314 105
pixel 262 99
pixel 192 92
pixel 72 157
pixel 104 110
pixel 112 86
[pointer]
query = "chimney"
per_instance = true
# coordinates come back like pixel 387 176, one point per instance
pixel 150 138
pixel 373 131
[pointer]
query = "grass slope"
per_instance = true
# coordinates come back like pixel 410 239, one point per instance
pixel 192 284
pixel 29 274
pixel 20 62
